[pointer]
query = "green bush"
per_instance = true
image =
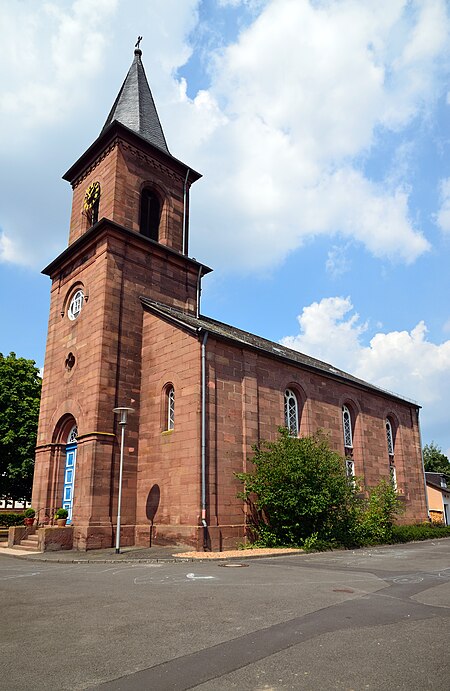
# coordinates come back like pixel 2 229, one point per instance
pixel 29 513
pixel 424 531
pixel 376 514
pixel 300 496
pixel 299 489
pixel 9 519
pixel 314 543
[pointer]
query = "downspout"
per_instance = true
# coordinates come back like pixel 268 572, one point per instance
pixel 184 209
pixel 199 290
pixel 203 443
pixel 423 465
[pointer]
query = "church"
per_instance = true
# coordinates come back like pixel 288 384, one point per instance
pixel 126 329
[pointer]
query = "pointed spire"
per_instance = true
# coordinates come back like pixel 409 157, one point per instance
pixel 135 108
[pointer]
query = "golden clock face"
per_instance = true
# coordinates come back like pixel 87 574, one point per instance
pixel 91 196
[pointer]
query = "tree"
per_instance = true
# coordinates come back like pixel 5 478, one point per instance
pixel 299 489
pixel 20 390
pixel 434 460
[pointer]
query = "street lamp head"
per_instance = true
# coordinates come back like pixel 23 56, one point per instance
pixel 123 412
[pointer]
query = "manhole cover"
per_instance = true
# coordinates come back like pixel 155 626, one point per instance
pixel 233 565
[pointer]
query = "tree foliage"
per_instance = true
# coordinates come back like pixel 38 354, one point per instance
pixel 299 495
pixel 434 460
pixel 20 390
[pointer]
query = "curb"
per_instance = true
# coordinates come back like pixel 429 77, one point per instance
pixel 155 560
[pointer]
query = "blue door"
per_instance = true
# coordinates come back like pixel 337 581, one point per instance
pixel 69 477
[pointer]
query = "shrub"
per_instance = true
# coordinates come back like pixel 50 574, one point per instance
pixel 29 513
pixel 424 531
pixel 376 515
pixel 9 519
pixel 300 496
pixel 299 489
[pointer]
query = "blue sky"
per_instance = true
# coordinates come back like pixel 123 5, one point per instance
pixel 322 131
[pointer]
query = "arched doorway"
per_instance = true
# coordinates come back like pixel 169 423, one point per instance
pixel 69 472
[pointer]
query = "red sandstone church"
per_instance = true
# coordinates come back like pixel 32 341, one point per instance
pixel 126 329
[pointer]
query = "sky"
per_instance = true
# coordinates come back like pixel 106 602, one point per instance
pixel 322 131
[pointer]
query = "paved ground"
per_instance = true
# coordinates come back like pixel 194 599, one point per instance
pixel 370 619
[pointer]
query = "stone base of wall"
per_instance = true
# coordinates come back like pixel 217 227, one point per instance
pixel 225 537
pixel 147 535
pixel 54 539
pixel 86 537
pixel 214 539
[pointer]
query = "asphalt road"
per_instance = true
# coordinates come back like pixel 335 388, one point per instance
pixel 370 619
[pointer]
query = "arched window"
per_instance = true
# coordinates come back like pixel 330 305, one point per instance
pixel 389 437
pixel 347 426
pixel 150 214
pixel 390 448
pixel 73 434
pixel 350 468
pixel 291 412
pixel 169 408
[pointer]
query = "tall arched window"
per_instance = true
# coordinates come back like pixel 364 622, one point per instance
pixel 150 214
pixel 390 448
pixel 291 412
pixel 347 426
pixel 169 413
pixel 389 437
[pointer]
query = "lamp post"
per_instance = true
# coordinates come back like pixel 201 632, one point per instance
pixel 123 413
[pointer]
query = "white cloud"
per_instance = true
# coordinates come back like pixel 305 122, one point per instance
pixel 328 332
pixel 405 362
pixel 306 92
pixel 251 4
pixel 337 262
pixel 61 66
pixel 293 108
pixel 52 54
pixel 8 252
pixel 443 215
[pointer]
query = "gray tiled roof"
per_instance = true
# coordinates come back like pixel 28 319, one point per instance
pixel 135 108
pixel 246 339
pixel 434 479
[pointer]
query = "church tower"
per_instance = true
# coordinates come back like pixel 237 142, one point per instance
pixel 128 238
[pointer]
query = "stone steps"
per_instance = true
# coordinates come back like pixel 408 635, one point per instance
pixel 30 544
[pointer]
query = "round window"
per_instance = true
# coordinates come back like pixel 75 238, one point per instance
pixel 75 305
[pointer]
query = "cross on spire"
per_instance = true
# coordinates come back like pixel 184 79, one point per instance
pixel 138 42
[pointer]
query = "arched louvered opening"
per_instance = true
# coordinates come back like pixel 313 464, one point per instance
pixel 150 214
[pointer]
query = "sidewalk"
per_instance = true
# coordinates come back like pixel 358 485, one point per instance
pixel 142 554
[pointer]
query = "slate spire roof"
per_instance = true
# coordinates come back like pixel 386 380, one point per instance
pixel 135 108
